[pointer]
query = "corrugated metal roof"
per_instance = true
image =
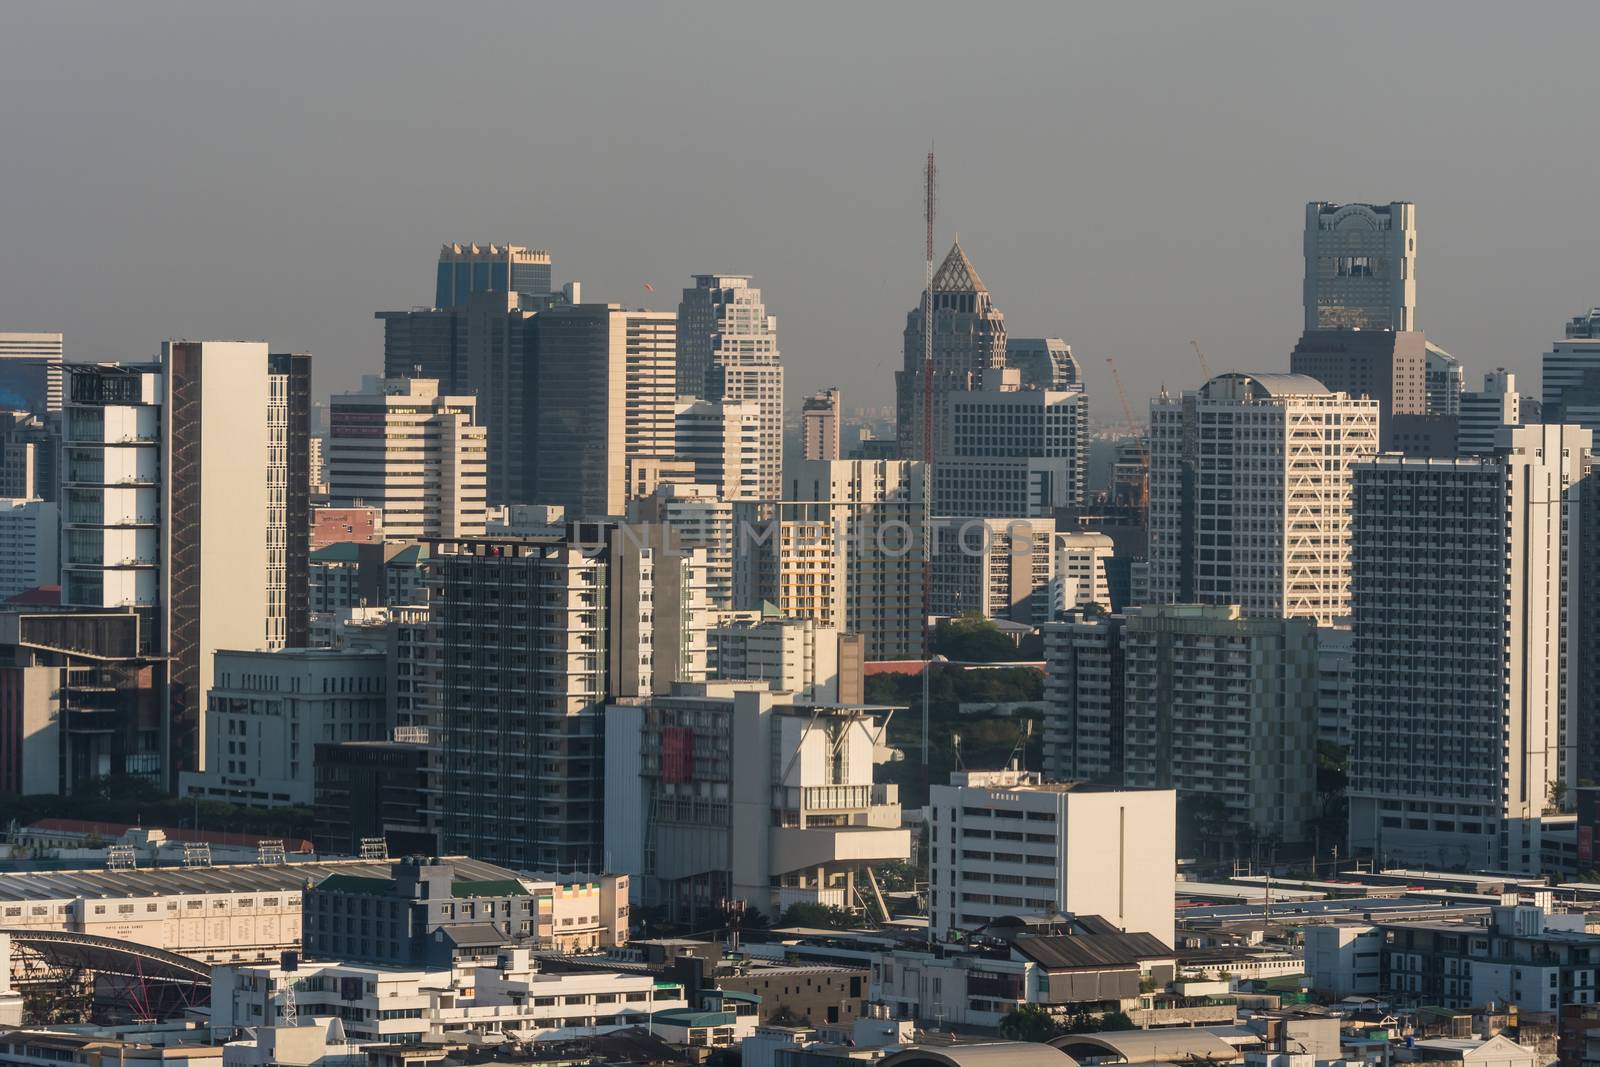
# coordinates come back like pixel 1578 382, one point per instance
pixel 1091 950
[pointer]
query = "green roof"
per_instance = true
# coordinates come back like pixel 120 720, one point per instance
pixel 499 887
pixel 350 883
pixel 737 994
pixel 410 554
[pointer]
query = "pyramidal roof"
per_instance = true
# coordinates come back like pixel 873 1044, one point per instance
pixel 957 274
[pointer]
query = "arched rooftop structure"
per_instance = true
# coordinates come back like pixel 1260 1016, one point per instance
pixel 981 1054
pixel 110 955
pixel 1176 1044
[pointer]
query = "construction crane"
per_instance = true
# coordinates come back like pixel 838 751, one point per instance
pixel 1204 365
pixel 1122 394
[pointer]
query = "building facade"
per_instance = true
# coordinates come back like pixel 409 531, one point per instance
pixel 1085 710
pixel 728 350
pixel 820 417
pixel 30 544
pixel 473 268
pixel 1487 411
pixel 177 503
pixel 1571 376
pixel 1360 266
pixel 267 711
pixel 969 337
pixel 1250 494
pixel 1045 362
pixel 528 639
pixel 1465 573
pixel 798 823
pixel 997 568
pixel 418 456
pixel 1223 708
pixel 721 439
pixel 1006 451
pixel 1009 843
pixel 31 375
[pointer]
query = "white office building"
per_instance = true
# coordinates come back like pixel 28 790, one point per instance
pixel 267 711
pixel 1360 266
pixel 727 349
pixel 798 656
pixel 1007 451
pixel 1466 676
pixel 1250 494
pixel 398 445
pixel 30 544
pixel 702 518
pixel 1485 412
pixel 1010 843
pixel 1080 578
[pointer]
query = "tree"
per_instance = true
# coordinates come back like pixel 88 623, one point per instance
pixel 1029 1023
pixel 973 638
pixel 821 916
pixel 1555 796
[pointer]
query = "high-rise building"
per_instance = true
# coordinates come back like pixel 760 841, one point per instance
pixel 1446 381
pixel 420 457
pixel 819 426
pixel 1485 412
pixel 426 343
pixel 1012 843
pixel 1085 713
pixel 728 350
pixel 30 537
pixel 1571 375
pixel 604 397
pixel 725 791
pixel 721 439
pixel 467 269
pixel 1250 494
pixel 1463 601
pixel 846 549
pixel 530 637
pixel 30 372
pixel 796 656
pixel 701 518
pixel 1361 266
pixel 1223 708
pixel 1044 362
pixel 30 455
pixel 997 568
pixel 1081 571
pixel 1395 368
pixel 176 502
pixel 969 337
pixel 1009 452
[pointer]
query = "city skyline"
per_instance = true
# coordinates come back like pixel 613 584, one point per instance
pixel 1168 211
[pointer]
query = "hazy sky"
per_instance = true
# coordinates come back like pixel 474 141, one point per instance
pixel 1124 175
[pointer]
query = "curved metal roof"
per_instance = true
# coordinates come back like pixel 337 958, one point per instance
pixel 1165 1045
pixel 981 1054
pixel 109 955
pixel 1270 383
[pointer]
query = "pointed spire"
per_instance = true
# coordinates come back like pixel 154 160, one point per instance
pixel 957 274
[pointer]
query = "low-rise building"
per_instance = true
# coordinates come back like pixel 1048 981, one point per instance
pixel 1010 843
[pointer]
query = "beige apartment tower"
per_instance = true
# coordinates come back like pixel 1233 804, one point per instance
pixel 420 457
pixel 819 425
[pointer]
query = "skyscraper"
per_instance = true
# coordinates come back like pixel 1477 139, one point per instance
pixel 420 457
pixel 30 372
pixel 175 503
pixel 1008 452
pixel 1360 266
pixel 728 350
pixel 721 440
pixel 467 269
pixel 969 336
pixel 1250 494
pixel 1045 362
pixel 819 426
pixel 1463 597
pixel 604 397
pixel 1571 377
